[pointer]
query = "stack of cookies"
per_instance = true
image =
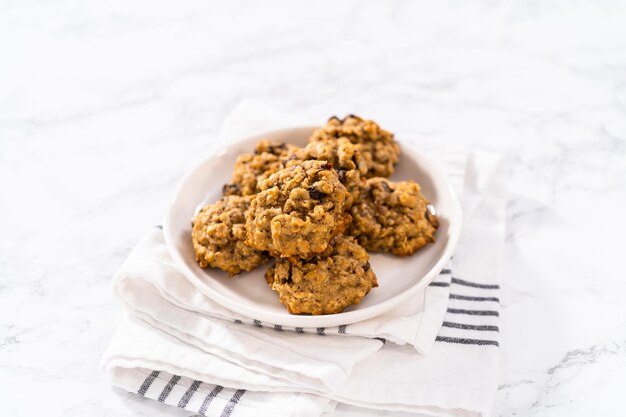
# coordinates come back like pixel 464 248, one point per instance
pixel 317 210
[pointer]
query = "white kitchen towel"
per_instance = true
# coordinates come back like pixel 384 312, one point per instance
pixel 179 348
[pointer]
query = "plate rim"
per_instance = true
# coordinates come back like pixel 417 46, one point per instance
pixel 310 321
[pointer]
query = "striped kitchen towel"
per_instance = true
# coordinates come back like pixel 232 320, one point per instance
pixel 437 355
pixel 457 378
pixel 212 366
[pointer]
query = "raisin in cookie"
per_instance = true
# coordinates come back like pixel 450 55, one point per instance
pixel 392 217
pixel 298 211
pixel 324 284
pixel 251 169
pixel 379 149
pixel 218 236
pixel 346 159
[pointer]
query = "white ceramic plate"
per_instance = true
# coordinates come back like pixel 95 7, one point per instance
pixel 248 293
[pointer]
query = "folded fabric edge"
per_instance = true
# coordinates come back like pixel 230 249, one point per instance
pixel 332 381
pixel 436 302
pixel 467 402
pixel 209 399
pixel 462 401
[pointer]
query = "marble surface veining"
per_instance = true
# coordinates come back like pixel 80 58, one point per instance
pixel 104 105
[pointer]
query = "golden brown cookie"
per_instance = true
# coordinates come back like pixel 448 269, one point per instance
pixel 298 211
pixel 346 159
pixel 251 169
pixel 324 284
pixel 218 236
pixel 392 217
pixel 378 147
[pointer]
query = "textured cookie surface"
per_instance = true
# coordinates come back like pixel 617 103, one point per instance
pixel 324 284
pixel 252 168
pixel 346 160
pixel 378 147
pixel 219 233
pixel 298 211
pixel 392 217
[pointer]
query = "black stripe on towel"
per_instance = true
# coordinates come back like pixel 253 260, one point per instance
pixel 146 384
pixel 470 326
pixel 468 298
pixel 257 323
pixel 475 285
pixel 299 330
pixel 168 388
pixel 237 321
pixel 188 394
pixel 342 329
pixel 446 271
pixel 233 402
pixel 439 284
pixel 278 327
pixel 209 398
pixel 466 341
pixel 321 330
pixel 474 312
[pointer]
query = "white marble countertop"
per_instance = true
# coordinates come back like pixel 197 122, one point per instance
pixel 103 106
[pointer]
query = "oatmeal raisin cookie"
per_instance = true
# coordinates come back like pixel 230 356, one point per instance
pixel 218 236
pixel 392 217
pixel 298 210
pixel 251 169
pixel 324 284
pixel 378 147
